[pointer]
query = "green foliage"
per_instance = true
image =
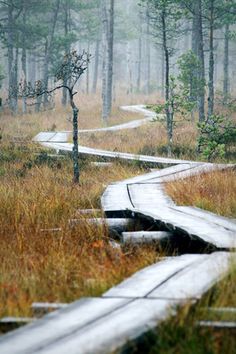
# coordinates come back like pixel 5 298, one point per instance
pixel 216 136
pixel 179 100
pixel 189 66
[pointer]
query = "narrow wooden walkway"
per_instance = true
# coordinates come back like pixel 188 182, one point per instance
pixel 101 325
pixel 145 195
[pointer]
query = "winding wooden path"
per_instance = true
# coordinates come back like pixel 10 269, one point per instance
pixel 138 304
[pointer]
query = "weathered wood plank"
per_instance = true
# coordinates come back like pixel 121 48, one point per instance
pixel 142 237
pixel 114 154
pixel 113 330
pixel 37 336
pixel 227 223
pixel 221 310
pixel 152 196
pixel 145 281
pixel 116 198
pixel 194 281
pixel 217 324
pixel 194 226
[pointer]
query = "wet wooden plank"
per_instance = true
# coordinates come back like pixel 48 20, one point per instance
pixel 113 154
pixel 230 325
pixel 227 223
pixel 193 281
pixel 112 331
pixel 58 325
pixel 146 280
pixel 196 227
pixel 116 198
pixel 145 237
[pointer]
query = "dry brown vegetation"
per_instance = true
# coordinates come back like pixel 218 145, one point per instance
pixel 63 265
pixel 214 191
pixel 36 194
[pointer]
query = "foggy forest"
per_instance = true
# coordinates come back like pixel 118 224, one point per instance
pixel 117 176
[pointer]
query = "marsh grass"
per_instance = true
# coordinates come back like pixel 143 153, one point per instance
pixel 39 264
pixel 215 191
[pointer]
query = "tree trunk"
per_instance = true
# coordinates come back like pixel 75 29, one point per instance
pixel 198 50
pixel 96 65
pixel 10 54
pixel 104 61
pixel 226 65
pixel 48 51
pixel 148 54
pixel 24 62
pixel 87 73
pixel 211 62
pixel 139 63
pixel 67 50
pixel 110 40
pixel 169 113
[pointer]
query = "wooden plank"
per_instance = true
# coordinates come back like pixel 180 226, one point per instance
pixel 194 226
pixel 141 237
pixel 114 154
pixel 113 330
pixel 227 223
pixel 118 224
pixel 58 325
pixel 101 164
pixel 158 175
pixel 60 137
pixel 146 280
pixel 221 310
pixel 195 280
pixel 217 324
pixel 43 136
pixel 116 198
pixel 152 196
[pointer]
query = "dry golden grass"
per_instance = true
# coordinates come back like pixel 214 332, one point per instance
pixel 214 191
pixel 56 266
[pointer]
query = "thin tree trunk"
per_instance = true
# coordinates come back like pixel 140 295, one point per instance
pixel 96 65
pixel 139 63
pixel 148 54
pixel 48 52
pixel 10 54
pixel 169 113
pixel 67 50
pixel 104 61
pixel 198 49
pixel 226 65
pixel 87 74
pixel 211 62
pixel 24 62
pixel 110 40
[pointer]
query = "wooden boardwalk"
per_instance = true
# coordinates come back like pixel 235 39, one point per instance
pixel 145 195
pixel 101 325
pixel 138 304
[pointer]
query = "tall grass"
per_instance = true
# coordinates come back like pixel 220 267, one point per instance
pixel 39 265
pixel 214 191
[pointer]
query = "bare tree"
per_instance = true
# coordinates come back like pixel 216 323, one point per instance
pixel 69 72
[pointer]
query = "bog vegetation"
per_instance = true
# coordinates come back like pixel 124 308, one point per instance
pixel 178 58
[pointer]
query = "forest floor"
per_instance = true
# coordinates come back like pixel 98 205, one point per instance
pixel 36 194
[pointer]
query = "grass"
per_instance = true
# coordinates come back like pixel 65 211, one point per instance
pixel 56 266
pixel 214 191
pixel 36 194
pixel 181 335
